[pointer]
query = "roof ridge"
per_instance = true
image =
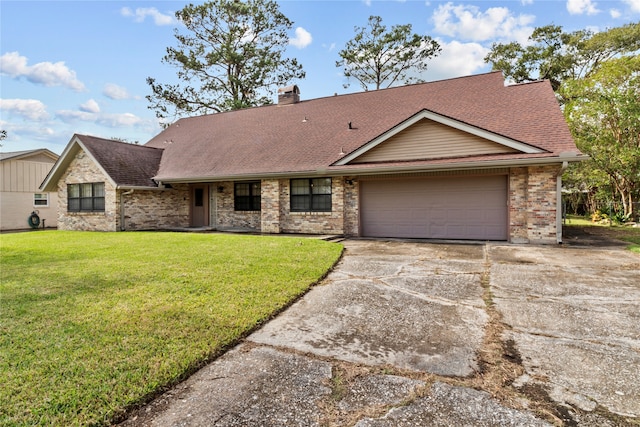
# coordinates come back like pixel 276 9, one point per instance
pixel 342 95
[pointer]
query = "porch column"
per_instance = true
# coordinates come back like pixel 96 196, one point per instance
pixel 270 206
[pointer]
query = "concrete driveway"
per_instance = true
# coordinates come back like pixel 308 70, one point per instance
pixel 415 333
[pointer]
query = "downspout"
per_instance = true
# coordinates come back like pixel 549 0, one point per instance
pixel 125 193
pixel 564 167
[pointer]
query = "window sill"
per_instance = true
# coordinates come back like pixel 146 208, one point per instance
pixel 84 213
pixel 311 213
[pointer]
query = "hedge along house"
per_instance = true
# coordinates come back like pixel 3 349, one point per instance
pixel 466 158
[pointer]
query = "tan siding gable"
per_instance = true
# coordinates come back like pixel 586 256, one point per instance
pixel 23 176
pixel 428 139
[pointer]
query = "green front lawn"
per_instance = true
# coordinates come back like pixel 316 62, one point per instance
pixel 92 324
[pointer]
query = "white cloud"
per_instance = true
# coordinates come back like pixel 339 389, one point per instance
pixel 70 116
pixel 141 13
pixel 45 73
pixel 634 5
pixel 457 59
pixel 468 22
pixel 119 120
pixel 302 39
pixel 615 13
pixel 110 120
pixel 31 109
pixel 91 106
pixel 526 2
pixel 113 91
pixel 580 7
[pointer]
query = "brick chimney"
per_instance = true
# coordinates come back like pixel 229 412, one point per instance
pixel 288 95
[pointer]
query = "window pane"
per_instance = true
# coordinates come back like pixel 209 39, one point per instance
pixel 73 190
pixel 199 197
pixel 74 204
pixel 86 204
pixel 321 185
pixel 98 189
pixel 86 190
pixel 98 204
pixel 40 199
pixel 321 203
pixel 242 189
pixel 299 186
pixel 300 203
pixel 255 203
pixel 242 203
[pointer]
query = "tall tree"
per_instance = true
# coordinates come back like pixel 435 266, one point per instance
pixel 377 57
pixel 230 56
pixel 595 77
pixel 559 56
pixel 604 116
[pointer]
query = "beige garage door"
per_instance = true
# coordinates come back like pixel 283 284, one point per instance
pixel 468 208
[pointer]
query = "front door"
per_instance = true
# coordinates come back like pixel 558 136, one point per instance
pixel 199 205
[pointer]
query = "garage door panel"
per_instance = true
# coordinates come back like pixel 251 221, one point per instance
pixel 445 208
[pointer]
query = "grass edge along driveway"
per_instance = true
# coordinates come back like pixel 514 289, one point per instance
pixel 93 324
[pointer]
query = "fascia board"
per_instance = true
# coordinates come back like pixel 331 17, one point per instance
pixel 463 166
pixel 351 171
pixel 447 121
pixel 139 187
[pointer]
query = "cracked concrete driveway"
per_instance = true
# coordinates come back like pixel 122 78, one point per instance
pixel 409 333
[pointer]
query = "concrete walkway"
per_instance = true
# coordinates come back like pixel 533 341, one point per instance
pixel 424 334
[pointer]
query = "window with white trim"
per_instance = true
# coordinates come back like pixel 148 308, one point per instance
pixel 41 200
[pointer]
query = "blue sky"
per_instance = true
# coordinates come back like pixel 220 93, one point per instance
pixel 81 66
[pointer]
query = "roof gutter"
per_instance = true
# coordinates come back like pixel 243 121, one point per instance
pixel 377 170
pixel 138 187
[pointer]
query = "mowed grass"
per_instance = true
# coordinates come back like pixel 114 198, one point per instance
pixel 94 323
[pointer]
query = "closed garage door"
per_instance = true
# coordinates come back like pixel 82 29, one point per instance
pixel 471 208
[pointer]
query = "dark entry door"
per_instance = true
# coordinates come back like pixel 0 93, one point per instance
pixel 199 205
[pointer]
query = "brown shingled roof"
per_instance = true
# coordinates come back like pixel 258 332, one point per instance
pixel 313 135
pixel 127 164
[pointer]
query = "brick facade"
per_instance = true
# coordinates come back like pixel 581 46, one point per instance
pixel 83 170
pixel 143 209
pixel 154 209
pixel 225 215
pixel 313 222
pixel 532 206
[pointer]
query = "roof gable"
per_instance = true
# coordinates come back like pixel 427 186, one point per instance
pixel 125 165
pixel 39 155
pixel 428 135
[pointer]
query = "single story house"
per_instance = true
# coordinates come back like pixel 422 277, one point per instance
pixel 467 158
pixel 21 173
